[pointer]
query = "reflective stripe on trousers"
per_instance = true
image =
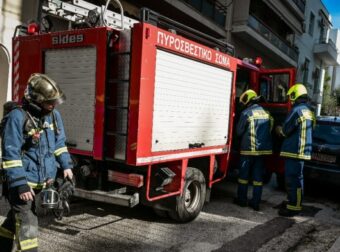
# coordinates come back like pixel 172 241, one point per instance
pixel 22 222
pixel 294 183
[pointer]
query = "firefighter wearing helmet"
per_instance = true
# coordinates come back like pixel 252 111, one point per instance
pixel 296 147
pixel 33 142
pixel 254 128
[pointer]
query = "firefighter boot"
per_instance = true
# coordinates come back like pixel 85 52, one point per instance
pixel 285 212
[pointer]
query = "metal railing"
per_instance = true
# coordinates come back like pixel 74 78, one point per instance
pixel 301 4
pixel 265 32
pixel 329 42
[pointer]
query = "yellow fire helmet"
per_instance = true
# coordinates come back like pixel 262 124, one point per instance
pixel 247 96
pixel 296 91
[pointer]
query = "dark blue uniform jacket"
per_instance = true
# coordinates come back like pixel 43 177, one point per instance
pixel 297 130
pixel 254 128
pixel 30 157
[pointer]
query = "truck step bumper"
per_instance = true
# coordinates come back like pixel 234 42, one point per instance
pixel 107 197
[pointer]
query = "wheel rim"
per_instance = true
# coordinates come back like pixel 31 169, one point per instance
pixel 192 196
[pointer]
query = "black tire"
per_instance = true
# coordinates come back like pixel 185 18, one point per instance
pixel 190 203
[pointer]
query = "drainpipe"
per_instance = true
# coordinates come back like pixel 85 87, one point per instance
pixel 319 95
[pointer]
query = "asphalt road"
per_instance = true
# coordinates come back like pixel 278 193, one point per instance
pixel 222 226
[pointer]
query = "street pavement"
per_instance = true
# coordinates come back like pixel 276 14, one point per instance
pixel 221 226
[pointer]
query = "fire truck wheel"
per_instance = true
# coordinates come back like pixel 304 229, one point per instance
pixel 190 203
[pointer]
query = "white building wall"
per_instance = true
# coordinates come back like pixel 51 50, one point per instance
pixel 305 42
pixel 9 19
pixel 11 15
pixel 335 71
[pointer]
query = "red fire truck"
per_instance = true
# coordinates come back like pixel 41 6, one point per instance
pixel 151 104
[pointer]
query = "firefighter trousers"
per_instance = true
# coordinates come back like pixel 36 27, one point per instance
pixel 294 183
pixel 20 226
pixel 253 165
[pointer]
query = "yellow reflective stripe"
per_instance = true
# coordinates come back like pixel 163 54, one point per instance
pixel 36 186
pixel 303 137
pixel 17 229
pixel 271 122
pixel 60 151
pixel 256 153
pixel 307 114
pixel 294 208
pixel 257 183
pixel 252 135
pixel 294 155
pixel 51 126
pixel 29 244
pixel 261 114
pixel 298 196
pixel 6 233
pixel 251 120
pixel 243 181
pixel 12 163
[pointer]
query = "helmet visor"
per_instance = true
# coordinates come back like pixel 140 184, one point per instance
pixel 57 101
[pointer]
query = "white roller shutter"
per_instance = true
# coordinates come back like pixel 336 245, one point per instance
pixel 75 71
pixel 191 103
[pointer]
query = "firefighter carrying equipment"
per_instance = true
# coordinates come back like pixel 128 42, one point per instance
pixel 41 89
pixel 36 162
pixel 56 197
pixel 296 91
pixel 254 127
pixel 49 198
pixel 65 188
pixel 247 96
pixel 297 130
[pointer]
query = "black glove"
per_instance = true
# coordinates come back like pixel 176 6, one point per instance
pixel 66 190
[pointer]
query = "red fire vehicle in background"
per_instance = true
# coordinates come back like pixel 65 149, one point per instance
pixel 151 104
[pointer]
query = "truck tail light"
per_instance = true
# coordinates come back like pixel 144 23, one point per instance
pixel 130 179
pixel 32 28
pixel 258 61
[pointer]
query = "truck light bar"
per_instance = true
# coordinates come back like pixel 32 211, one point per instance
pixel 130 179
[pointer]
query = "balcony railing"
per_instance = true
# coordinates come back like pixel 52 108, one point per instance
pixel 301 4
pixel 272 38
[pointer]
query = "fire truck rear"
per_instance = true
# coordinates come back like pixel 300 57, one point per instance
pixel 150 104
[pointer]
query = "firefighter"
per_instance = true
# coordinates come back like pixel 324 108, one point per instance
pixel 296 147
pixel 33 142
pixel 254 128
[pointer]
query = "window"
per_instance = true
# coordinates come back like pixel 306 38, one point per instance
pixel 274 87
pixel 214 10
pixel 306 70
pixel 242 81
pixel 316 75
pixel 311 24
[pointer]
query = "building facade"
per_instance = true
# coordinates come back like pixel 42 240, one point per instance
pixel 13 13
pixel 285 33
pixel 317 50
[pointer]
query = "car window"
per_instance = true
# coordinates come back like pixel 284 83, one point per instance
pixel 327 133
